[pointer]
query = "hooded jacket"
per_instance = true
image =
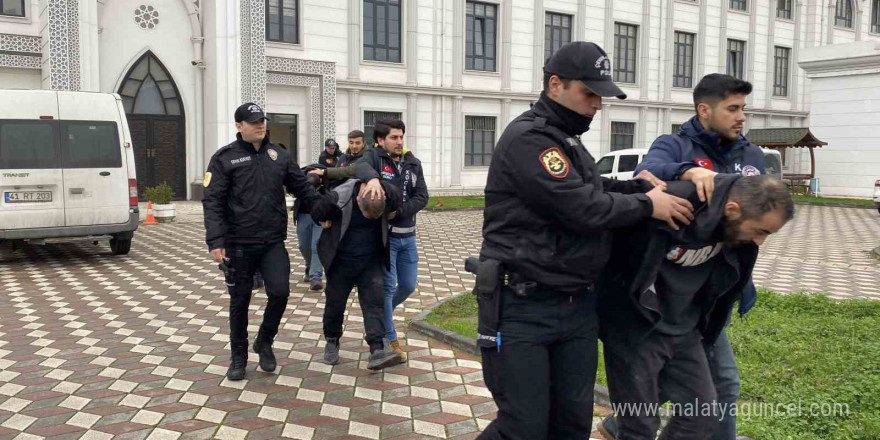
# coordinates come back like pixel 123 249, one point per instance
pixel 549 214
pixel 671 155
pixel 337 208
pixel 629 307
pixel 329 160
pixel 407 175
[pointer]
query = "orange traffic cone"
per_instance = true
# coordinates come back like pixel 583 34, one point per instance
pixel 151 219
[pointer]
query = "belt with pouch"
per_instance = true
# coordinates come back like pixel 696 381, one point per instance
pixel 533 290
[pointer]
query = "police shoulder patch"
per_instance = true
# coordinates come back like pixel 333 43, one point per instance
pixel 749 170
pixel 207 179
pixel 554 162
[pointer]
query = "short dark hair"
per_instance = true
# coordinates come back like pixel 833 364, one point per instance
pixel 758 195
pixel 566 83
pixel 372 208
pixel 717 87
pixel 384 127
pixel 355 134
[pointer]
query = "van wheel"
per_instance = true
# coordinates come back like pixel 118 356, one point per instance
pixel 120 246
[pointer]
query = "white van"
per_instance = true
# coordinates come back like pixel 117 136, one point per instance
pixel 66 168
pixel 621 164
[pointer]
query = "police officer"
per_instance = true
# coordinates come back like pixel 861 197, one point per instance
pixel 246 225
pixel 547 221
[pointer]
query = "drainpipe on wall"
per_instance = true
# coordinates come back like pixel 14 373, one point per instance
pixel 196 187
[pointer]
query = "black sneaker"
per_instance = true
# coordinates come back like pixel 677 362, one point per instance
pixel 267 357
pixel 380 359
pixel 236 369
pixel 317 285
pixel 331 351
pixel 608 427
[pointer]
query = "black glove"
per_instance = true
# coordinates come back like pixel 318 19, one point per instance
pixel 325 208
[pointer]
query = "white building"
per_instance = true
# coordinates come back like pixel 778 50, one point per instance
pixel 456 71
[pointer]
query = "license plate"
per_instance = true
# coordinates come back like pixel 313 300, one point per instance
pixel 27 196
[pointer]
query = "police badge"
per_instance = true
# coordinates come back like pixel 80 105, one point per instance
pixel 273 154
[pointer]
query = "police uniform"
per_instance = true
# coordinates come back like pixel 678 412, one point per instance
pixel 246 214
pixel 548 219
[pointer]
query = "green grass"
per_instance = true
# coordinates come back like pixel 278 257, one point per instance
pixel 790 348
pixel 835 200
pixel 455 202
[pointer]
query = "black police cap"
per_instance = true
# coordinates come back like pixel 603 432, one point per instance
pixel 249 112
pixel 588 63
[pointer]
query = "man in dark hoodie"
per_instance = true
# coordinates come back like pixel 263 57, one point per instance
pixel 665 293
pixel 546 238
pixel 395 164
pixel 711 142
pixel 355 251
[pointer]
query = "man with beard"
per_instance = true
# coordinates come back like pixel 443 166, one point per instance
pixel 546 239
pixel 666 293
pixel 710 142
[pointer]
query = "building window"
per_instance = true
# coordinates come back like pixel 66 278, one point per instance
pixel 780 71
pixel 676 128
pixel 875 17
pixel 625 52
pixel 557 32
pixel 843 16
pixel 382 30
pixel 149 90
pixel 282 21
pixel 683 75
pixel 14 8
pixel 479 140
pixel 739 5
pixel 736 55
pixel 480 36
pixel 370 120
pixel 622 135
pixel 783 9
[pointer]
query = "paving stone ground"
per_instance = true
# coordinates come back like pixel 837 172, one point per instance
pixel 96 346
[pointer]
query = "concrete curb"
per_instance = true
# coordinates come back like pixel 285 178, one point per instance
pixel 876 252
pixel 418 323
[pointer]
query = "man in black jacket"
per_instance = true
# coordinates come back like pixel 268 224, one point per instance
pixel 395 164
pixel 354 248
pixel 548 221
pixel 330 156
pixel 246 225
pixel 664 293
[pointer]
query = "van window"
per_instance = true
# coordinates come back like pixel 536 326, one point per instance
pixel 627 163
pixel 605 164
pixel 28 145
pixel 91 144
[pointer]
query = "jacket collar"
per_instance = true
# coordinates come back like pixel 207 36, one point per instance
pixel 249 146
pixel 561 117
pixel 709 139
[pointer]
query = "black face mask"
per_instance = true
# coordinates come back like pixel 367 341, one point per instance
pixel 573 122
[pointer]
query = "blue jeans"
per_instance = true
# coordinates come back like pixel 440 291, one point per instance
pixel 308 232
pixel 725 375
pixel 400 281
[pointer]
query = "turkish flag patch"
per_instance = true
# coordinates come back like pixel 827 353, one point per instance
pixel 705 163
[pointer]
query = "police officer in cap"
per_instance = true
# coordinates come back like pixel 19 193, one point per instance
pixel 547 225
pixel 246 225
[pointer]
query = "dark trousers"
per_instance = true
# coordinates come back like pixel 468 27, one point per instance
pixel 368 275
pixel 273 262
pixel 543 376
pixel 677 365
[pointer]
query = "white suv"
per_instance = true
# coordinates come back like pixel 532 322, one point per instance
pixel 66 168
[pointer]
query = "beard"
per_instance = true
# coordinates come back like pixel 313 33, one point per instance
pixel 731 232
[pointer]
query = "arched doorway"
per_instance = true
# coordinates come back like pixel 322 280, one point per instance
pixel 156 121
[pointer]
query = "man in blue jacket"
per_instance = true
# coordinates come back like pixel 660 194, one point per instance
pixel 711 142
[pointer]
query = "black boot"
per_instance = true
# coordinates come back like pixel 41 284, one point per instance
pixel 267 357
pixel 239 362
